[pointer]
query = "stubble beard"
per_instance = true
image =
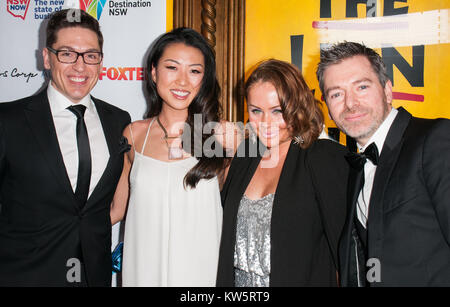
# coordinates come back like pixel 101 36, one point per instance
pixel 364 133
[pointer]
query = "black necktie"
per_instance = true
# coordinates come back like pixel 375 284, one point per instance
pixel 84 155
pixel 357 160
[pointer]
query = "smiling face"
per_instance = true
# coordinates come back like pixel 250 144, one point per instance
pixel 356 100
pixel 76 80
pixel 178 75
pixel 265 114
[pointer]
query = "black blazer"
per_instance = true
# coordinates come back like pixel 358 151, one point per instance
pixel 409 212
pixel 307 217
pixel 41 223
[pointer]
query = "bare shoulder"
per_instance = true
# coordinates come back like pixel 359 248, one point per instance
pixel 138 127
pixel 135 132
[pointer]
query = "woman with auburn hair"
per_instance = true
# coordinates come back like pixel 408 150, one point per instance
pixel 285 207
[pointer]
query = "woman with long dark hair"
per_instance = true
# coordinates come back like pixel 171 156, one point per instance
pixel 284 207
pixel 174 214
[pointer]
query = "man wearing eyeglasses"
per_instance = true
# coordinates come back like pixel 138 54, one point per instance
pixel 61 156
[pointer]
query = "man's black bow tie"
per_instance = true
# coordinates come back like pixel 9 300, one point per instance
pixel 357 160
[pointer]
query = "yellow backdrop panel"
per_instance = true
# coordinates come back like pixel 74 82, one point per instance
pixel 411 35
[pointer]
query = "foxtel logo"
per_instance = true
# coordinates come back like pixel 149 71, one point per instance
pixel 124 73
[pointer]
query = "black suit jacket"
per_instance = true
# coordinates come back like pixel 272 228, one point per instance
pixel 307 217
pixel 41 223
pixel 409 210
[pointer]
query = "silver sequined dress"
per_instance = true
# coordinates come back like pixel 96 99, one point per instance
pixel 252 249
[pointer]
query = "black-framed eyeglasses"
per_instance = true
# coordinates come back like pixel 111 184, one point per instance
pixel 70 57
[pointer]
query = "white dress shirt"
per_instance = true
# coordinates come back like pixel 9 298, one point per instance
pixel 378 138
pixel 65 124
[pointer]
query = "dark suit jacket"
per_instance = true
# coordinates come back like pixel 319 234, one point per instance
pixel 409 210
pixel 41 224
pixel 307 217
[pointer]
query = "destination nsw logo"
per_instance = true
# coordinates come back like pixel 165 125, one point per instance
pixel 120 8
pixel 18 8
pixel 93 7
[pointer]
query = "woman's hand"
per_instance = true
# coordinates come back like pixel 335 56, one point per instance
pixel 229 135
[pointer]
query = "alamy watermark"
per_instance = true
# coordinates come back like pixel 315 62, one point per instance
pixel 73 14
pixel 224 139
pixel 73 274
pixel 374 270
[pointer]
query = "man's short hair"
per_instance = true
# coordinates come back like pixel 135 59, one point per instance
pixel 72 18
pixel 339 52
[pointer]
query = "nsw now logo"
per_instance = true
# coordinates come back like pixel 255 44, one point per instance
pixel 18 8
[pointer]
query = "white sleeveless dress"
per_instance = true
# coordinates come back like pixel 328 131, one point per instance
pixel 172 235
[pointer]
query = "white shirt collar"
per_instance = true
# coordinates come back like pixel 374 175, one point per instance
pixel 380 135
pixel 59 102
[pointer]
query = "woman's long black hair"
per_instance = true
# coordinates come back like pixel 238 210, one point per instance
pixel 205 103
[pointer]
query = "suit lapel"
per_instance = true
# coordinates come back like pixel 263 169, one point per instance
pixel 287 177
pixel 388 159
pixel 40 119
pixel 354 181
pixel 248 169
pixel 108 122
pixel 239 176
pixel 354 188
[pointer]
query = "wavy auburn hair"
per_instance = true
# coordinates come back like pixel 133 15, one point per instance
pixel 301 111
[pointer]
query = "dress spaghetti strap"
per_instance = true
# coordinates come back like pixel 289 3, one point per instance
pixel 132 137
pixel 146 136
